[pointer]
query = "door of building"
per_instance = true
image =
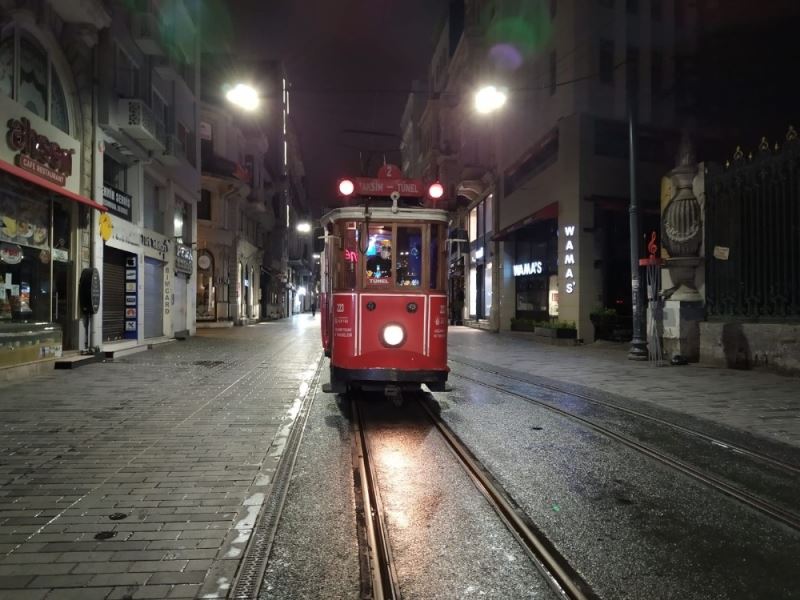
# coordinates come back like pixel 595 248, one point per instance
pixel 114 293
pixel 179 305
pixel 153 298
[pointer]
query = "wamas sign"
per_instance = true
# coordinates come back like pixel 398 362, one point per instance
pixel 569 260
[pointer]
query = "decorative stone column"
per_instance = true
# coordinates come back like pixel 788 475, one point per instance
pixel 682 239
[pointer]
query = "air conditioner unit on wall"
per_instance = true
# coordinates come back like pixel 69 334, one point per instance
pixel 138 122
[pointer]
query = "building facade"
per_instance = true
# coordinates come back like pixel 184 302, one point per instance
pixel 147 173
pixel 541 186
pixel 47 196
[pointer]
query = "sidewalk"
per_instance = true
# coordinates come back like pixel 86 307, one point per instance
pixel 142 477
pixel 759 403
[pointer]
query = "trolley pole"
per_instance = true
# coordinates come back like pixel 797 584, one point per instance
pixel 638 349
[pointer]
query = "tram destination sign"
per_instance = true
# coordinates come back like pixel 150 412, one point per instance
pixel 367 186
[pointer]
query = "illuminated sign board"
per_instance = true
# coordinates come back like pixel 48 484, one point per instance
pixel 569 260
pixel 529 268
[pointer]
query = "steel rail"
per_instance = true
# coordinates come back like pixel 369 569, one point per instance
pixel 249 578
pixel 776 512
pixel 379 555
pixel 562 578
pixel 644 416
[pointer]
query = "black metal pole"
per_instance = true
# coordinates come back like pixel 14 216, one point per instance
pixel 638 349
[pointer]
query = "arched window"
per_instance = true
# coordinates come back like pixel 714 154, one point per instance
pixel 28 76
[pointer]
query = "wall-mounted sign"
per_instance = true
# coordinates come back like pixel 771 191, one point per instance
pixel 131 297
pixel 569 260
pixel 106 226
pixel 350 256
pixel 37 154
pixel 159 244
pixel 529 268
pixel 204 262
pixel 117 202
pixel 183 259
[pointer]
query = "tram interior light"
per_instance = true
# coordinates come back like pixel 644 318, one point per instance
pixel 346 187
pixel 436 190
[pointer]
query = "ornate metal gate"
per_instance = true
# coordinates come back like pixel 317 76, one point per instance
pixel 753 235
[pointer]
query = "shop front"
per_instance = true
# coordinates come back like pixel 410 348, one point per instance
pixel 41 246
pixel 535 271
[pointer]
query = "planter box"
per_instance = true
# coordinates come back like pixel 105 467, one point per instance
pixel 564 334
pixel 517 326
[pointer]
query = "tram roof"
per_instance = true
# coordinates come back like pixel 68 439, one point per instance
pixel 384 213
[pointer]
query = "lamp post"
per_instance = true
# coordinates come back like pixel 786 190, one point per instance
pixel 489 100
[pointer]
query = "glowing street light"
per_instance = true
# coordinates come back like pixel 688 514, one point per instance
pixel 304 227
pixel 489 99
pixel 243 96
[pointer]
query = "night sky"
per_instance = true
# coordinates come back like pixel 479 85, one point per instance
pixel 342 57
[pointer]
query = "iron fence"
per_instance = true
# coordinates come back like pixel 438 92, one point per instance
pixel 753 235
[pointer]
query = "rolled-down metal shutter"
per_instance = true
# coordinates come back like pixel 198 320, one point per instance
pixel 179 306
pixel 153 298
pixel 113 294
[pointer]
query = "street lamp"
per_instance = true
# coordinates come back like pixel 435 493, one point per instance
pixel 489 99
pixel 244 96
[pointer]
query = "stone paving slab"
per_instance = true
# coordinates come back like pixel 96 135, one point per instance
pixel 141 478
pixel 759 403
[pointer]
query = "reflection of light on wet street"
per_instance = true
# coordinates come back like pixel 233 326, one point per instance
pixel 394 470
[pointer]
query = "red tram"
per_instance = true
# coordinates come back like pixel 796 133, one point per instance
pixel 383 290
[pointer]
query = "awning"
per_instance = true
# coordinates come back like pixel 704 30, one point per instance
pixel 52 187
pixel 548 212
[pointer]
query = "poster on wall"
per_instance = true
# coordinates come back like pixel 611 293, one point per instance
pixel 131 297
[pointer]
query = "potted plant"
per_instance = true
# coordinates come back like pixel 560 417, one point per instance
pixel 557 329
pixel 522 324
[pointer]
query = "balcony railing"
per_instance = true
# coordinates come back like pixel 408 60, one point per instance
pixel 146 33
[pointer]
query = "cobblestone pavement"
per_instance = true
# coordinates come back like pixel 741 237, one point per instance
pixel 142 478
pixel 762 404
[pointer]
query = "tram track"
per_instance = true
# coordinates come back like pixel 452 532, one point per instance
pixel 724 444
pixel 559 575
pixel 754 501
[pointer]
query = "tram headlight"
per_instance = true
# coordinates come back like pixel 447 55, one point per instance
pixel 393 335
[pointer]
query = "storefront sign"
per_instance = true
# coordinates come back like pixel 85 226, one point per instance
pixel 529 268
pixel 106 226
pixel 10 254
pixel 159 244
pixel 117 202
pixel 37 154
pixel 569 260
pixel 183 259
pixel 131 297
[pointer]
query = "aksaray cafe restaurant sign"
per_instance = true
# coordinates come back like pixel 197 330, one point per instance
pixel 42 150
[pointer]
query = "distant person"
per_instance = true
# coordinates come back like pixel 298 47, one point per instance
pixel 313 307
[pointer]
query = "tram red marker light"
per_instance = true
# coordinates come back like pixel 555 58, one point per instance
pixel 346 187
pixel 436 190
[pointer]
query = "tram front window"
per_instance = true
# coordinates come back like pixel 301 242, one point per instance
pixel 379 255
pixel 409 256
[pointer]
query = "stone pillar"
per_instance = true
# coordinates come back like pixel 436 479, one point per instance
pixel 682 239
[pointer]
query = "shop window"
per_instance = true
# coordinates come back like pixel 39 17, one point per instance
pixel 25 256
pixel 206 291
pixel 488 214
pixel 379 255
pixel 473 224
pixel 409 256
pixel 487 290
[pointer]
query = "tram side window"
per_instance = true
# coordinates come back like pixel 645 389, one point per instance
pixel 348 264
pixel 409 256
pixel 434 258
pixel 379 255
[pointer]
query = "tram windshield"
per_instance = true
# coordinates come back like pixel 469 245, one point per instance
pixel 388 255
